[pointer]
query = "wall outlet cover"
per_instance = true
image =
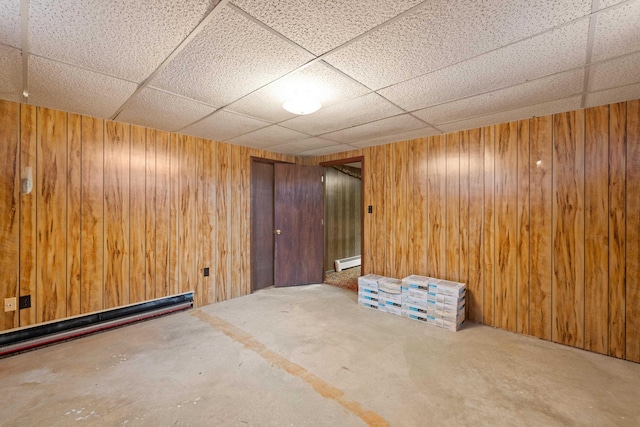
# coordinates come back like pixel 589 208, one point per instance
pixel 24 302
pixel 9 304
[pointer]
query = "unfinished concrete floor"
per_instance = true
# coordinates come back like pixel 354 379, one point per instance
pixel 311 356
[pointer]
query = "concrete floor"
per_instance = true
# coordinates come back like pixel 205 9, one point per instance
pixel 311 356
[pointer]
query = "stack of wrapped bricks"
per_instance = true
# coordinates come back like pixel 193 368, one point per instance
pixel 435 301
pixel 390 295
pixel 368 290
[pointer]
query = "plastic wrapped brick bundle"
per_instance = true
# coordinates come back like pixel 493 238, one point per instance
pixel 368 290
pixel 390 285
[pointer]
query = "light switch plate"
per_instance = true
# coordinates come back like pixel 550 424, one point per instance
pixel 9 304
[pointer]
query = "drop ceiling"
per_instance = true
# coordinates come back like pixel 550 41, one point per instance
pixel 384 71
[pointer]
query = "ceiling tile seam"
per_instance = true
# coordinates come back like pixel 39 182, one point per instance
pixel 496 90
pixel 24 44
pixel 264 26
pixel 292 142
pixel 80 67
pixel 629 85
pixel 557 27
pixel 362 124
pixel 306 136
pixel 613 58
pixel 186 98
pixel 479 116
pixel 426 122
pixel 321 57
pixel 595 5
pixel 198 28
pixel 374 29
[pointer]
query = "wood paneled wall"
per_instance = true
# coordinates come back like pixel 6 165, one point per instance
pixel 540 217
pixel 118 214
pixel 343 216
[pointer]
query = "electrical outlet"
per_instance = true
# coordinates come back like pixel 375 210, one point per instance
pixel 9 304
pixel 206 271
pixel 24 302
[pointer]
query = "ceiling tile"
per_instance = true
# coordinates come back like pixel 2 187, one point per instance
pixel 543 109
pixel 619 94
pixel 537 91
pixel 327 85
pixel 161 110
pixel 617 31
pixel 230 58
pixel 269 136
pixel 608 3
pixel 445 32
pixel 10 22
pixel 127 39
pixel 339 148
pixel 64 87
pixel 382 127
pixel 222 125
pixel 546 54
pixel 319 26
pixel 346 114
pixel 616 72
pixel 402 136
pixel 10 74
pixel 301 145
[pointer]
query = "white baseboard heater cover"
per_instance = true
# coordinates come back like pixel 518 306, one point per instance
pixel 343 263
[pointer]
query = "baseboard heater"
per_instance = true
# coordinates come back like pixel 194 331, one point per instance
pixel 31 337
pixel 343 263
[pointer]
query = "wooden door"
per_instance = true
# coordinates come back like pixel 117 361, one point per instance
pixel 298 207
pixel 261 225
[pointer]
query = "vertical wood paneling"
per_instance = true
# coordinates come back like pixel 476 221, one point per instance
pixel 451 198
pixel 51 263
pixel 174 216
pixel 633 232
pixel 464 209
pixel 245 223
pixel 417 206
pixel 28 127
pixel 9 207
pixel 568 229
pixel 74 205
pixel 368 180
pixel 209 227
pixel 398 213
pixel 187 214
pixel 137 215
pixel 236 219
pixel 506 186
pixel 223 198
pixel 475 286
pixel 488 273
pixel 163 213
pixel 523 227
pixel 92 210
pixel 617 229
pixel 436 183
pixel 389 187
pixel 596 222
pixel 540 237
pixel 380 239
pixel 116 214
pixel 150 214
pixel 200 296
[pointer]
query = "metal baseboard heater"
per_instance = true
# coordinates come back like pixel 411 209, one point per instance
pixel 344 263
pixel 31 337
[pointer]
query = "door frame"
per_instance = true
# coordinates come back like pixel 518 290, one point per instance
pixel 362 208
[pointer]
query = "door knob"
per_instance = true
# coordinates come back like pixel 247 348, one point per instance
pixel 278 232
